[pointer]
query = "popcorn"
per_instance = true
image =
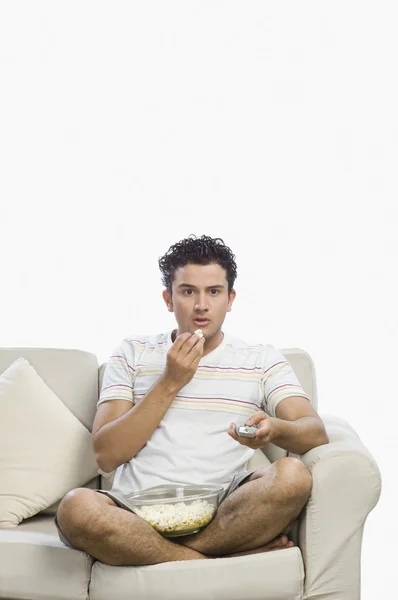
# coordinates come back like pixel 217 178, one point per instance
pixel 178 517
pixel 199 333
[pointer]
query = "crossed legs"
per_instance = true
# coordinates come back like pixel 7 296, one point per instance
pixel 246 521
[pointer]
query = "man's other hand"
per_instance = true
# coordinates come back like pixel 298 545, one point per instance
pixel 264 435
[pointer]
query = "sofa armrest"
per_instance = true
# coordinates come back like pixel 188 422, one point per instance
pixel 346 487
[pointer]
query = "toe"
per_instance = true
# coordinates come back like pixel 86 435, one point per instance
pixel 282 540
pixel 279 542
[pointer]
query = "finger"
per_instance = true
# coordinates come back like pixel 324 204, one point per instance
pixel 264 427
pixel 196 351
pixel 188 342
pixel 232 431
pixel 244 441
pixel 256 418
pixel 262 435
pixel 180 340
pixel 232 428
pixel 195 340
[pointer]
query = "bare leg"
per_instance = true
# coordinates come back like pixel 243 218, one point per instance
pixel 252 516
pixel 94 523
pixel 256 512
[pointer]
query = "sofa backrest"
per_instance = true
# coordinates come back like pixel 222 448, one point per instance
pixel 303 365
pixel 72 375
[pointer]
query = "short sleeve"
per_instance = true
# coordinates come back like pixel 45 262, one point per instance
pixel 118 379
pixel 279 381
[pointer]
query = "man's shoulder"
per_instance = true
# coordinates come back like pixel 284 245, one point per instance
pixel 148 339
pixel 251 352
pixel 140 342
pixel 250 345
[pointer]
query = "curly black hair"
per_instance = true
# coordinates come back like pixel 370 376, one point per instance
pixel 197 251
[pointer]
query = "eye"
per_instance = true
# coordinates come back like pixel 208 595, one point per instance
pixel 186 292
pixel 216 292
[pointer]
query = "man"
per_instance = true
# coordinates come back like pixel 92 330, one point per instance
pixel 167 413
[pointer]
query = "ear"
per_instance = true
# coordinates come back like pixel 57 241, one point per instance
pixel 231 299
pixel 168 300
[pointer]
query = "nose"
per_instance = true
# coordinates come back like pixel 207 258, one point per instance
pixel 201 303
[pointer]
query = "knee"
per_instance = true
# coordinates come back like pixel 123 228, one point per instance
pixel 73 511
pixel 295 475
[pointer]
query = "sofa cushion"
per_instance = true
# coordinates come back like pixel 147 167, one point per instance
pixel 278 575
pixel 71 374
pixel 45 451
pixel 93 484
pixel 35 564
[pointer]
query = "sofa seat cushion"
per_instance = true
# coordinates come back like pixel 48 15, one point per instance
pixel 276 575
pixel 35 564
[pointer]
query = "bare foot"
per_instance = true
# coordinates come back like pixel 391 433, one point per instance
pixel 279 543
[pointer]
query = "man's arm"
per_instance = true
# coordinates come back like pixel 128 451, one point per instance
pixel 296 428
pixel 121 429
pixel 119 432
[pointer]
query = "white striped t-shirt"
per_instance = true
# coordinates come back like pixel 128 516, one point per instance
pixel 191 443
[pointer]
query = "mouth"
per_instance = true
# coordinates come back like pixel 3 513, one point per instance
pixel 201 322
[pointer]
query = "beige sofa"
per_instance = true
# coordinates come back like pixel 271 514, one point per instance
pixel 325 563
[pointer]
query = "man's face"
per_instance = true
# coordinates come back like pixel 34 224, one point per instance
pixel 200 292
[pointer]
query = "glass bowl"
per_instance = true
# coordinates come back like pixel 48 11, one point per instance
pixel 175 510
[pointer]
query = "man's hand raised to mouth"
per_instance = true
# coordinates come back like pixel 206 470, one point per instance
pixel 122 434
pixel 183 359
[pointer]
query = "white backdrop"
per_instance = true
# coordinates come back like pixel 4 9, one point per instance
pixel 126 126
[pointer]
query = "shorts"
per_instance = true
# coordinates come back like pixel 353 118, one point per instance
pixel 237 481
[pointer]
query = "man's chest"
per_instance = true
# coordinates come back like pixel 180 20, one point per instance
pixel 229 387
